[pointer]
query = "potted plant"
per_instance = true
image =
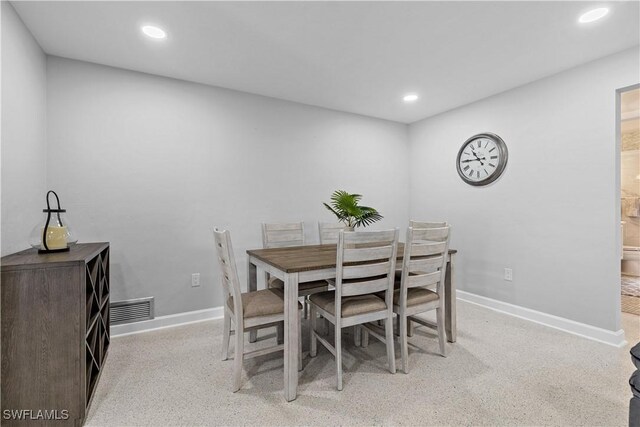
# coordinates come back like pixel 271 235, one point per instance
pixel 345 207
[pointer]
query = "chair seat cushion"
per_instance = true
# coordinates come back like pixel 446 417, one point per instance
pixel 415 296
pixel 274 282
pixel 261 303
pixel 351 306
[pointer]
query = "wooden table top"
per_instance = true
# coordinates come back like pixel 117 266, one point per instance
pixel 295 259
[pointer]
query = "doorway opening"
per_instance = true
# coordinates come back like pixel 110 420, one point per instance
pixel 630 199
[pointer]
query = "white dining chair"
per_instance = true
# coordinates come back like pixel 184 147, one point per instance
pixel 423 265
pixel 354 300
pixel 245 311
pixel 418 224
pixel 329 231
pixel 281 235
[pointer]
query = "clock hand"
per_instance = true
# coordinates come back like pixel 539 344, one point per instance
pixel 476 156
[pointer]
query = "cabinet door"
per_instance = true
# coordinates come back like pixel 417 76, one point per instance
pixel 41 338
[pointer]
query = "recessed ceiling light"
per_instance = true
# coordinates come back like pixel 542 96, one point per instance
pixel 410 98
pixel 154 32
pixel 593 15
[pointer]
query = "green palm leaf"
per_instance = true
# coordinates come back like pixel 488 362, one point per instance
pixel 345 207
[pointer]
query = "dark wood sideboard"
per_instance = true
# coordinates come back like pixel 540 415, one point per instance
pixel 55 333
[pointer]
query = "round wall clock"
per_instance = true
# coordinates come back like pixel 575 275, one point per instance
pixel 482 159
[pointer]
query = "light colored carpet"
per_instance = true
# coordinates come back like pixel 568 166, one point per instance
pixel 630 304
pixel 502 371
pixel 630 285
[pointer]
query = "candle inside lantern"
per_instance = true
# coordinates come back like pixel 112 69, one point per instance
pixel 56 237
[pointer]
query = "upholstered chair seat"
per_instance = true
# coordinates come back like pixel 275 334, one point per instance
pixel 261 303
pixel 351 306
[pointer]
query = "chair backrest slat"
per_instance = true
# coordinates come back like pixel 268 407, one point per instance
pixel 282 235
pixel 439 234
pixel 375 255
pixel 425 264
pixel 427 248
pixel 363 254
pixel 329 231
pixel 226 267
pixel 427 224
pixel 366 270
pixel 423 280
pixel 362 287
pixel 425 259
pixel 370 238
pixel 228 271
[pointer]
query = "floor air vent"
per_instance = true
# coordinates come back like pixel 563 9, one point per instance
pixel 133 310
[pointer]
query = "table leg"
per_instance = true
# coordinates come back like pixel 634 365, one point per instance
pixel 450 301
pixel 252 284
pixel 291 336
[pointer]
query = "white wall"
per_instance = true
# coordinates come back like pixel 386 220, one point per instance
pixel 554 214
pixel 23 132
pixel 152 164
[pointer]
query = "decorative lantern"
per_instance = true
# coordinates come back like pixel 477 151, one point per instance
pixel 53 234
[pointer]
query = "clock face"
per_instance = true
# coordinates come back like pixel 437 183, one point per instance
pixel 482 159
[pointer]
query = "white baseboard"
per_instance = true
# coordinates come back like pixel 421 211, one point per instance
pixel 167 321
pixel 605 336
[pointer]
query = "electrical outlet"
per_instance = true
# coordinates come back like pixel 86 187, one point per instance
pixel 508 274
pixel 195 279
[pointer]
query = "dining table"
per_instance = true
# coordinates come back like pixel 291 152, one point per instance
pixel 299 264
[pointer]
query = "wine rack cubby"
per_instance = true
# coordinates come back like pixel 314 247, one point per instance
pixel 97 318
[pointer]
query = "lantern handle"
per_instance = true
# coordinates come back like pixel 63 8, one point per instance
pixel 57 199
pixel 46 225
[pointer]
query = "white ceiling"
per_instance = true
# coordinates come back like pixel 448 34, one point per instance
pixel 360 57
